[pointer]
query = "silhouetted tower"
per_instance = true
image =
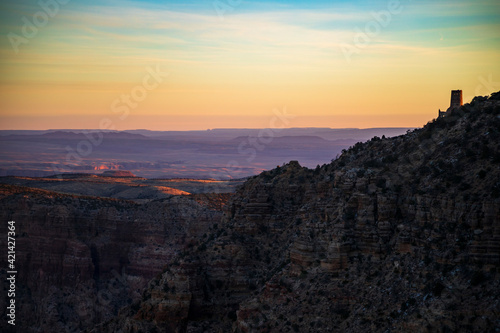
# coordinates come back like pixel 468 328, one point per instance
pixel 455 102
pixel 456 99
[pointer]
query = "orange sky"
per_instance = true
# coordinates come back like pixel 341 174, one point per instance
pixel 95 61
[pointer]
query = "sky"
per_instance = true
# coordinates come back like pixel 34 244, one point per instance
pixel 196 65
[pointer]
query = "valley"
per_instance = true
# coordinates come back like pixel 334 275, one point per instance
pixel 395 234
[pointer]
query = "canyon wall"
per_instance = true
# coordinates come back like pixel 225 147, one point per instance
pixel 397 234
pixel 81 259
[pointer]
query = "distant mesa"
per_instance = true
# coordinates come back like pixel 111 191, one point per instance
pixel 117 173
pixel 455 102
pixel 107 167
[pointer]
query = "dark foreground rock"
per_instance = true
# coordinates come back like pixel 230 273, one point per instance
pixel 80 259
pixel 399 234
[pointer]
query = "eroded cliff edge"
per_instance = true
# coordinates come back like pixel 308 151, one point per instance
pixel 80 258
pixel 399 234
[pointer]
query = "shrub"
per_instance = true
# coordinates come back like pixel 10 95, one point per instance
pixel 389 159
pixel 373 163
pixel 464 186
pixel 232 315
pixel 438 288
pixel 495 96
pixel 485 151
pixel 381 183
pixel 477 278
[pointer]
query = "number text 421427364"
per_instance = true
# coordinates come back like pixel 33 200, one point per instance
pixel 11 272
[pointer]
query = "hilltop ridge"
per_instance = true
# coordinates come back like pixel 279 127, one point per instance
pixel 396 234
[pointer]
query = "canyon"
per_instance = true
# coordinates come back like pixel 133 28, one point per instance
pixel 396 234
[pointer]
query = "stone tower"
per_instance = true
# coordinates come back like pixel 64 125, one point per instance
pixel 456 99
pixel 455 102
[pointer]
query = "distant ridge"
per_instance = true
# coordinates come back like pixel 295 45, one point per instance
pixel 165 154
pixel 117 173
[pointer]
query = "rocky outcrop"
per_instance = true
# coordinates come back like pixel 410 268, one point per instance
pixel 399 234
pixel 81 259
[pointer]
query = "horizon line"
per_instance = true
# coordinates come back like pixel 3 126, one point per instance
pixel 205 130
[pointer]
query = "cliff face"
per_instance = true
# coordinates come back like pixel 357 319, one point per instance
pixel 81 259
pixel 397 234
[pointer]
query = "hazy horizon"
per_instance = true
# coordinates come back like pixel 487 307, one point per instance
pixel 44 124
pixel 201 130
pixel 218 153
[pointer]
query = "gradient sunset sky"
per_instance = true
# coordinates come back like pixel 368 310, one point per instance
pixel 231 63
